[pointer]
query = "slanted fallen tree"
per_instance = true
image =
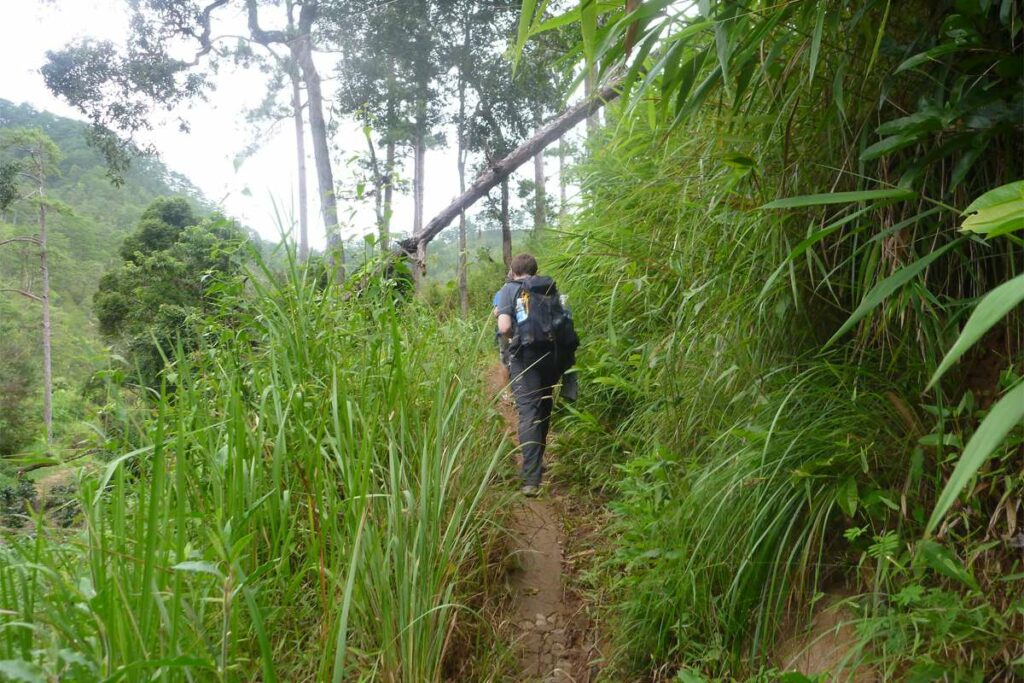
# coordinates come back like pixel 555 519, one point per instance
pixel 414 247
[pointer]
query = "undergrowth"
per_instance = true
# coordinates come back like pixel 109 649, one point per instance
pixel 754 475
pixel 306 499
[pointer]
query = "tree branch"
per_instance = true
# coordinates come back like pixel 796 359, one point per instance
pixel 204 20
pixel 33 240
pixel 24 293
pixel 503 168
pixel 259 35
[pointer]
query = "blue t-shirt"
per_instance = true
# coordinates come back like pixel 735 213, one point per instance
pixel 505 299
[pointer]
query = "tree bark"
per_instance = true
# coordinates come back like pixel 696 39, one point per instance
pixel 301 49
pixel 419 158
pixel 389 188
pixel 45 299
pixel 463 256
pixel 540 192
pixel 506 227
pixel 321 151
pixel 561 179
pixel 502 168
pixel 300 153
pixel 378 188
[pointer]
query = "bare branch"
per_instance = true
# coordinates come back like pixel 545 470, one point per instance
pixel 204 20
pixel 26 238
pixel 24 293
pixel 259 35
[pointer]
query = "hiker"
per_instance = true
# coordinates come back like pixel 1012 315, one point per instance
pixel 542 344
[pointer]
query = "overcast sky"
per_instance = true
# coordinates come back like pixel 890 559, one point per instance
pixel 207 155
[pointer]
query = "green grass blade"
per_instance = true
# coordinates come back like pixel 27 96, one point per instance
pixel 341 644
pixel 840 198
pixel 1006 414
pixel 887 286
pixel 989 311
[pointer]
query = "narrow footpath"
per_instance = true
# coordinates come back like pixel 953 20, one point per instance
pixel 554 636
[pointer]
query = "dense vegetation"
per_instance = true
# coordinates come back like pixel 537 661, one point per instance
pixel 83 243
pixel 301 504
pixel 777 170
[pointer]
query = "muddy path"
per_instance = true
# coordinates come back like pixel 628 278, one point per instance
pixel 554 636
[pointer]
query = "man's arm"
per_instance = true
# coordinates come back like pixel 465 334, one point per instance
pixel 504 308
pixel 505 324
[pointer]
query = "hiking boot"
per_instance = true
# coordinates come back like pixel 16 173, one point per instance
pixel 531 491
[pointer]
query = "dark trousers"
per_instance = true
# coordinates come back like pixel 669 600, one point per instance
pixel 534 376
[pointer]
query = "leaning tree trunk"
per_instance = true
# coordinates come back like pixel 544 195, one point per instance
pixel 300 153
pixel 506 227
pixel 501 169
pixel 45 301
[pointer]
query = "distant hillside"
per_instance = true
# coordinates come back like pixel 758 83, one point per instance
pixel 82 244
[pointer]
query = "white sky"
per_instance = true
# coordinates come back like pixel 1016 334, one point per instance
pixel 206 155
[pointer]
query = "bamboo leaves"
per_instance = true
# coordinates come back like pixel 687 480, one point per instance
pixel 993 308
pixel 997 212
pixel 887 286
pixel 823 199
pixel 1003 417
pixel 819 26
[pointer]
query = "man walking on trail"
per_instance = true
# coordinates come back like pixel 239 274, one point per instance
pixel 541 343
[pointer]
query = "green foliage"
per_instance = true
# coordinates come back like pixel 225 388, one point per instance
pixel 91 74
pixel 307 501
pixel 174 266
pixel 20 399
pixel 159 228
pixel 82 244
pixel 750 471
pixel 17 496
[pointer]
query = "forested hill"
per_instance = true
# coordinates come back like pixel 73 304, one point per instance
pixel 82 243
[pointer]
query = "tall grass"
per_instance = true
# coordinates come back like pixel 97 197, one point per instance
pixel 310 503
pixel 752 471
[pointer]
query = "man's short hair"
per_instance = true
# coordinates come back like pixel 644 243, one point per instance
pixel 524 264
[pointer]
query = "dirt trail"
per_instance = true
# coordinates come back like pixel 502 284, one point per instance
pixel 551 626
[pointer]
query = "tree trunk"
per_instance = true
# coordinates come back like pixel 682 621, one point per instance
pixel 303 54
pixel 502 168
pixel 540 192
pixel 506 227
pixel 45 300
pixel 389 187
pixel 378 187
pixel 561 179
pixel 463 256
pixel 300 153
pixel 419 157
